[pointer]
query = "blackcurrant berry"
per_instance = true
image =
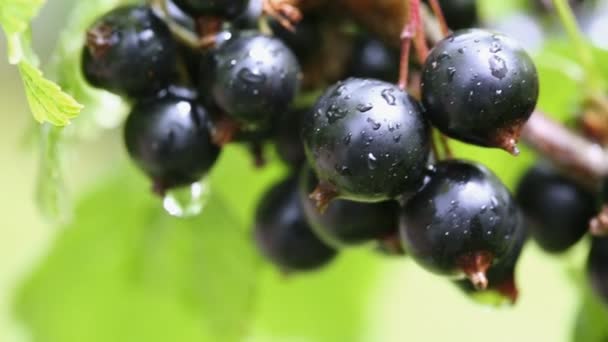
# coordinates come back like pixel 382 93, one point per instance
pixel 501 277
pixel 129 51
pixel 168 137
pixel 459 14
pixel 557 208
pixel 289 146
pixel 462 222
pixel 346 223
pixel 597 267
pixel 373 59
pixel 367 141
pixel 256 78
pixel 480 87
pixel 305 41
pixel 228 9
pixel 283 235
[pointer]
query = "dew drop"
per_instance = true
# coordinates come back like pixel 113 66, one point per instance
pixel 387 95
pixel 251 77
pixel 498 67
pixel 451 73
pixel 365 107
pixel 372 162
pixel 375 124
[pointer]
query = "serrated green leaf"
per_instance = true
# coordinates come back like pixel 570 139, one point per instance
pixel 46 99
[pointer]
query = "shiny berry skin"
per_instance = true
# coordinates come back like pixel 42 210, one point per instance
pixel 256 78
pixel 283 235
pixel 129 51
pixel 557 208
pixel 168 137
pixel 368 140
pixel 463 209
pixel 348 223
pixel 287 138
pixel 597 267
pixel 373 59
pixel 480 87
pixel 460 14
pixel 227 9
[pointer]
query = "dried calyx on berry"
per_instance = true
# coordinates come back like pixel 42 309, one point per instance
pixel 462 222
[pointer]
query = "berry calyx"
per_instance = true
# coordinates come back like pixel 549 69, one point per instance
pixel 366 141
pixel 480 87
pixel 129 51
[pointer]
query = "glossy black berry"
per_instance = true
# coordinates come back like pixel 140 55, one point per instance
pixel 283 235
pixel 345 222
pixel 168 137
pixel 367 140
pixel 129 51
pixel 557 208
pixel 256 78
pixel 480 87
pixel 228 9
pixel 373 59
pixel 597 267
pixel 462 222
pixel 289 145
pixel 501 277
pixel 460 14
pixel 304 41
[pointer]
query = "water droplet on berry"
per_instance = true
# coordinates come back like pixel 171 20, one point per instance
pixel 451 73
pixel 186 201
pixel 372 162
pixel 387 95
pixel 364 107
pixel 347 138
pixel 498 67
pixel 251 77
pixel 375 124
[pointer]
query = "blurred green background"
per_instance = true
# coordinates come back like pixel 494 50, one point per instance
pixel 123 270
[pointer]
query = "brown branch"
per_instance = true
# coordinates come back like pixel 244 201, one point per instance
pixel 565 148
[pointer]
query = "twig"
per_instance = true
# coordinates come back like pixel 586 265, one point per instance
pixel 564 147
pixel 445 30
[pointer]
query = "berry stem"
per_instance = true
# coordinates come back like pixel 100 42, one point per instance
pixel 208 28
pixel 566 148
pixel 436 7
pixel 412 31
pixel 184 35
pixel 285 12
pixel 475 265
pixel 224 129
pixel 585 54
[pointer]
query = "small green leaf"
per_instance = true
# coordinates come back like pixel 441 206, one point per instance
pixel 15 17
pixel 46 99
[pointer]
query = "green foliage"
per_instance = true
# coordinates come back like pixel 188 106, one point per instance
pixel 47 101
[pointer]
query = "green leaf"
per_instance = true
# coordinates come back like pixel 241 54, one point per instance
pixel 15 17
pixel 126 271
pixel 46 100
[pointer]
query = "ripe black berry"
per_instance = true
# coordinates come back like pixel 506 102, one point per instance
pixel 501 277
pixel 597 267
pixel 463 221
pixel 367 141
pixel 284 236
pixel 557 208
pixel 373 59
pixel 256 78
pixel 289 146
pixel 129 51
pixel 168 137
pixel 228 9
pixel 345 222
pixel 460 14
pixel 480 87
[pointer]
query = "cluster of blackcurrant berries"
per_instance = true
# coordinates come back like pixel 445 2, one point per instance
pixel 362 166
